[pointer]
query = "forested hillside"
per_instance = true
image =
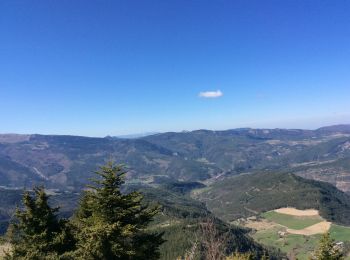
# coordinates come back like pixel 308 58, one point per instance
pixel 68 161
pixel 221 175
pixel 251 194
pixel 179 219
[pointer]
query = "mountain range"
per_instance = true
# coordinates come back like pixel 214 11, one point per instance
pixel 225 175
pixel 66 162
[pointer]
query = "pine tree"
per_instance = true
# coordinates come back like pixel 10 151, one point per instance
pixel 112 225
pixel 37 233
pixel 327 249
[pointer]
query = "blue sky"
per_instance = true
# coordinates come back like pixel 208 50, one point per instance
pixel 117 67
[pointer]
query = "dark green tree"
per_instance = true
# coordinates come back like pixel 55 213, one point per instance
pixel 37 232
pixel 327 249
pixel 113 225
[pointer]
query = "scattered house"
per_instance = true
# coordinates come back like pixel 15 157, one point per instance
pixel 282 233
pixel 339 246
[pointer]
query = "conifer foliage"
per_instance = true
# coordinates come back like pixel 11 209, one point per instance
pixel 108 225
pixel 328 249
pixel 37 232
pixel 112 225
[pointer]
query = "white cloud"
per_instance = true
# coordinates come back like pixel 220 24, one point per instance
pixel 211 94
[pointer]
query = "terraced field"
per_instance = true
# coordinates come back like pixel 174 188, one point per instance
pixel 292 222
pixel 295 234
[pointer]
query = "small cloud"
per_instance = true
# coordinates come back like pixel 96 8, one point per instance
pixel 211 94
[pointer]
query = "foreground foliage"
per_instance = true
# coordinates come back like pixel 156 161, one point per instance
pixel 107 225
pixel 38 233
pixel 180 220
pixel 328 249
pixel 111 225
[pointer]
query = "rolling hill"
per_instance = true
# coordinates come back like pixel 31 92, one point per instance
pixel 66 162
pixel 252 194
pixel 230 174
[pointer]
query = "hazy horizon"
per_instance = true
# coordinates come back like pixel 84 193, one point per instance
pixel 136 134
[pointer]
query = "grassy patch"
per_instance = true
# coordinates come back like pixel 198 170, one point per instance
pixel 340 233
pixel 296 246
pixel 293 222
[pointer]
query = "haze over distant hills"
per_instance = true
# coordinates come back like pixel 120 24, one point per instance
pixel 137 135
pixel 202 155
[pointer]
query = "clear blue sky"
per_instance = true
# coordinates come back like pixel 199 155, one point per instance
pixel 116 67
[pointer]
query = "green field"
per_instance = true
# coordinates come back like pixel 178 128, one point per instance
pixel 293 245
pixel 340 233
pixel 293 222
pixel 298 245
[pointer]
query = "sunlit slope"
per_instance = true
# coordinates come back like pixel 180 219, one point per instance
pixel 252 194
pixel 66 162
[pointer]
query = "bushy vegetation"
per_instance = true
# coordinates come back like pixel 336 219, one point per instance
pixel 107 225
pixel 37 232
pixel 327 249
pixel 113 224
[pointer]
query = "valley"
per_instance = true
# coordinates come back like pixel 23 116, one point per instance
pixel 243 178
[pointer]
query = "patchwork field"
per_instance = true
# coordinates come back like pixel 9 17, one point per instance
pixel 295 232
pixel 292 221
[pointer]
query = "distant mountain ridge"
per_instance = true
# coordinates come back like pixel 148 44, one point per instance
pixel 335 128
pixel 137 135
pixel 201 155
